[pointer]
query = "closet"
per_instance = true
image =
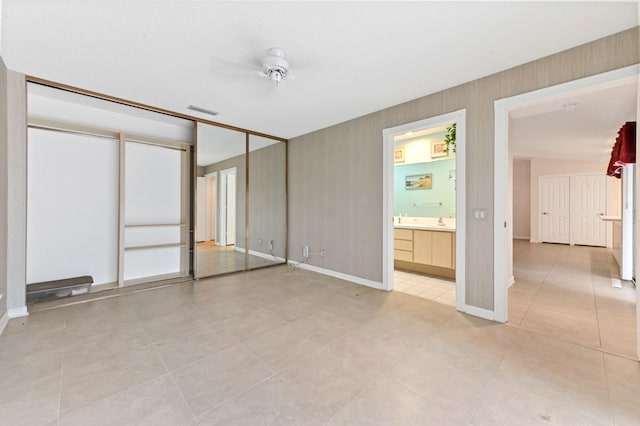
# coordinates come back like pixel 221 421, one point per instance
pixel 107 190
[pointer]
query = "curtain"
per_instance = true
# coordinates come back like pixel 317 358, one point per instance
pixel 624 150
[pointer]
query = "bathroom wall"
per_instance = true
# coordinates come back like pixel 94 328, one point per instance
pixel 411 202
pixel 522 198
pixel 335 173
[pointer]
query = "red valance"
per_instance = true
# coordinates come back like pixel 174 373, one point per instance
pixel 624 150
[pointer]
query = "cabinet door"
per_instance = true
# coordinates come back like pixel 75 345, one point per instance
pixel 441 253
pixel 422 243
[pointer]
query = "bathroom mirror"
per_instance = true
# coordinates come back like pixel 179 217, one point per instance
pixel 267 202
pixel 220 201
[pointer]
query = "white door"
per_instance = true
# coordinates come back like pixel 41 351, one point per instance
pixel 212 183
pixel 588 202
pixel 231 208
pixel 201 223
pixel 555 212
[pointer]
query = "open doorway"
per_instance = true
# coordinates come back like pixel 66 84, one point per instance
pixel 555 272
pixel 227 207
pixel 423 231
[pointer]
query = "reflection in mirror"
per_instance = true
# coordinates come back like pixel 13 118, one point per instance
pixel 267 202
pixel 220 201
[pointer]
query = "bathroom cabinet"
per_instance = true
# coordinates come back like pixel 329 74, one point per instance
pixel 425 251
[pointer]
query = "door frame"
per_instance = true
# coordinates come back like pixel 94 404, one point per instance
pixel 222 211
pixel 459 117
pixel 503 201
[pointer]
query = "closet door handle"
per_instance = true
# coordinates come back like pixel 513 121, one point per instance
pixel 545 213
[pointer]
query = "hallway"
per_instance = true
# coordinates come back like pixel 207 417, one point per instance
pixel 566 292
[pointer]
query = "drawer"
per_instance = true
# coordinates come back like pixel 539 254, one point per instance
pixel 403 234
pixel 403 245
pixel 407 256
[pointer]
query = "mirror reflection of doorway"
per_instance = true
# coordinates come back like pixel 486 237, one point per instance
pixel 227 207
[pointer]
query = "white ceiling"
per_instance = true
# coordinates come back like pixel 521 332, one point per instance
pixel 349 58
pixel 548 129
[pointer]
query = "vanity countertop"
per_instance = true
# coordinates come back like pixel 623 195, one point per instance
pixel 446 228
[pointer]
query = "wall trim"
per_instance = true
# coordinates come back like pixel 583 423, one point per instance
pixel 4 320
pixel 18 312
pixel 479 312
pixel 260 254
pixel 335 274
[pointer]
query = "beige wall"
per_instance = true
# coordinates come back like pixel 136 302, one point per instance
pixel 335 174
pixel 268 199
pixel 522 198
pixel 544 166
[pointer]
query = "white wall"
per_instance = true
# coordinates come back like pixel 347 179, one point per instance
pixel 545 166
pixel 522 198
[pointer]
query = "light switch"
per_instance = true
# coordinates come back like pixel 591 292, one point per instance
pixel 480 214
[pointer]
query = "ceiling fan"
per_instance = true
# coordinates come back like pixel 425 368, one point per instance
pixel 275 66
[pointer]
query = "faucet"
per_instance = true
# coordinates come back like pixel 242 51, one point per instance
pixel 440 222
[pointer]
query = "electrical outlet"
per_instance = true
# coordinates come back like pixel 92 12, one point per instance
pixel 323 253
pixel 305 251
pixel 270 244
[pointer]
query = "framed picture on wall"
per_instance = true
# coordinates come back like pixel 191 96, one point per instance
pixel 418 181
pixel 398 155
pixel 437 149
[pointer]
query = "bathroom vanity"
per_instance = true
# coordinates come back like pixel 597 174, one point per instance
pixel 425 248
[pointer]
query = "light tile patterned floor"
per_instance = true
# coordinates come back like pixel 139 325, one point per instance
pixel 565 292
pixel 288 346
pixel 439 290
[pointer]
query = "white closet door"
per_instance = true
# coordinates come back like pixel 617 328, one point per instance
pixel 154 239
pixel 201 215
pixel 588 202
pixel 72 219
pixel 555 212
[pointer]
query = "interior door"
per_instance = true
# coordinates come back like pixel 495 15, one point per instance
pixel 201 191
pixel 230 210
pixel 555 212
pixel 588 202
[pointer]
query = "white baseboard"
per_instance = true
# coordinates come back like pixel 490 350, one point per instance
pixel 267 256
pixel 4 321
pixel 479 312
pixel 519 237
pixel 18 312
pixel 335 274
pixel 511 281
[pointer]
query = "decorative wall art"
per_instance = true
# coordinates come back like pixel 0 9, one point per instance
pixel 438 149
pixel 423 181
pixel 398 155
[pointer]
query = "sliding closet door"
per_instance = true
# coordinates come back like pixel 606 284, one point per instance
pixel 72 215
pixel 154 212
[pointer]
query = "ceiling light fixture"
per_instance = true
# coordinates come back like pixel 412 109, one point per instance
pixel 275 66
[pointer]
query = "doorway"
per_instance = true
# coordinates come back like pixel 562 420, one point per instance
pixel 227 207
pixel 423 242
pixel 564 280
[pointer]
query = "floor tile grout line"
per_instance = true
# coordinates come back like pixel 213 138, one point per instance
pixel 175 384
pixel 596 348
pixel 606 381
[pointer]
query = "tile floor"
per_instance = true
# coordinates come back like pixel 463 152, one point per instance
pixel 288 346
pixel 565 292
pixel 439 290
